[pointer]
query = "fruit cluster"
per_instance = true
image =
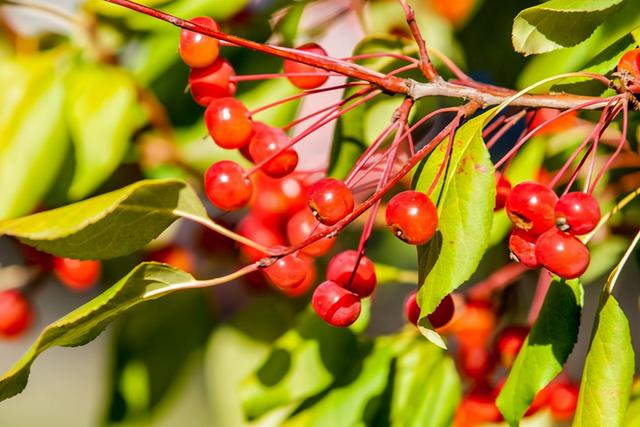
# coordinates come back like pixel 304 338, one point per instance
pixel 546 227
pixel 288 207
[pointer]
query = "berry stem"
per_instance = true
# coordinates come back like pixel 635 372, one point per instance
pixel 498 280
pixel 254 77
pixel 426 66
pixel 544 282
pixel 510 122
pixel 445 161
pixel 606 217
pixel 613 277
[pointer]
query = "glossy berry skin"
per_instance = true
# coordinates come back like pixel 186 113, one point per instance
pixel 212 82
pixel 306 82
pixel 503 189
pixel 577 213
pixel 198 50
pixel 16 313
pixel 440 316
pixel 301 226
pixel 562 253
pixel 523 247
pixel 226 186
pixel 629 63
pixel 341 270
pixel 287 272
pixel 530 207
pixel 412 217
pixel 335 305
pixel 307 283
pixel 75 274
pixel 276 200
pixel 330 200
pixel 564 401
pixel 268 141
pixel 260 232
pixel 228 122
pixel 509 343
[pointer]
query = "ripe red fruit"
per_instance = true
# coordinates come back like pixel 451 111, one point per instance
pixel 412 217
pixel 309 279
pixel 475 410
pixel 558 125
pixel 523 247
pixel 474 325
pixel 563 401
pixel 503 189
pixel 226 186
pixel 176 256
pixel 341 270
pixel 229 123
pixel 275 200
pixel 475 361
pixel 577 213
pixel 530 207
pixel 287 272
pixel 629 64
pixel 330 200
pixel 212 82
pixel 562 253
pixel 266 142
pixel 301 226
pixel 198 50
pixel 411 309
pixel 253 228
pixel 306 82
pixel 509 343
pixel 15 313
pixel 335 305
pixel 75 274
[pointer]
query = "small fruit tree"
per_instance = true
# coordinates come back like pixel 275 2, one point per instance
pixel 491 186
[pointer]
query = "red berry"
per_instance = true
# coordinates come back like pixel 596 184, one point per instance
pixel 275 200
pixel 330 200
pixel 411 309
pixel 212 82
pixel 477 409
pixel 443 312
pixel 287 272
pixel 558 125
pixel 475 324
pixel 301 226
pixel 306 82
pixel 335 305
pixel 198 50
pixel 176 256
pixel 577 213
pixel 503 189
pixel 509 343
pixel 229 123
pixel 75 274
pixel 309 279
pixel 475 361
pixel 562 254
pixel 226 185
pixel 530 206
pixel 253 228
pixel 341 270
pixel 629 64
pixel 523 247
pixel 15 313
pixel 563 401
pixel 268 141
pixel 412 217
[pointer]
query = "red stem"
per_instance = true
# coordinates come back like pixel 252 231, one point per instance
pixel 498 280
pixel 544 282
pixel 425 63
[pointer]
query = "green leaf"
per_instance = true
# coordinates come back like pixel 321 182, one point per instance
pixel 88 321
pixel 33 141
pixel 545 350
pixel 467 197
pixel 594 54
pixel 109 225
pixel 427 388
pixel 608 371
pixel 302 363
pixel 559 23
pixel 349 404
pixel 102 113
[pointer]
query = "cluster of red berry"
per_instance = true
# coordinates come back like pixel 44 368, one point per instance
pixel 284 202
pixel 16 311
pixel 545 226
